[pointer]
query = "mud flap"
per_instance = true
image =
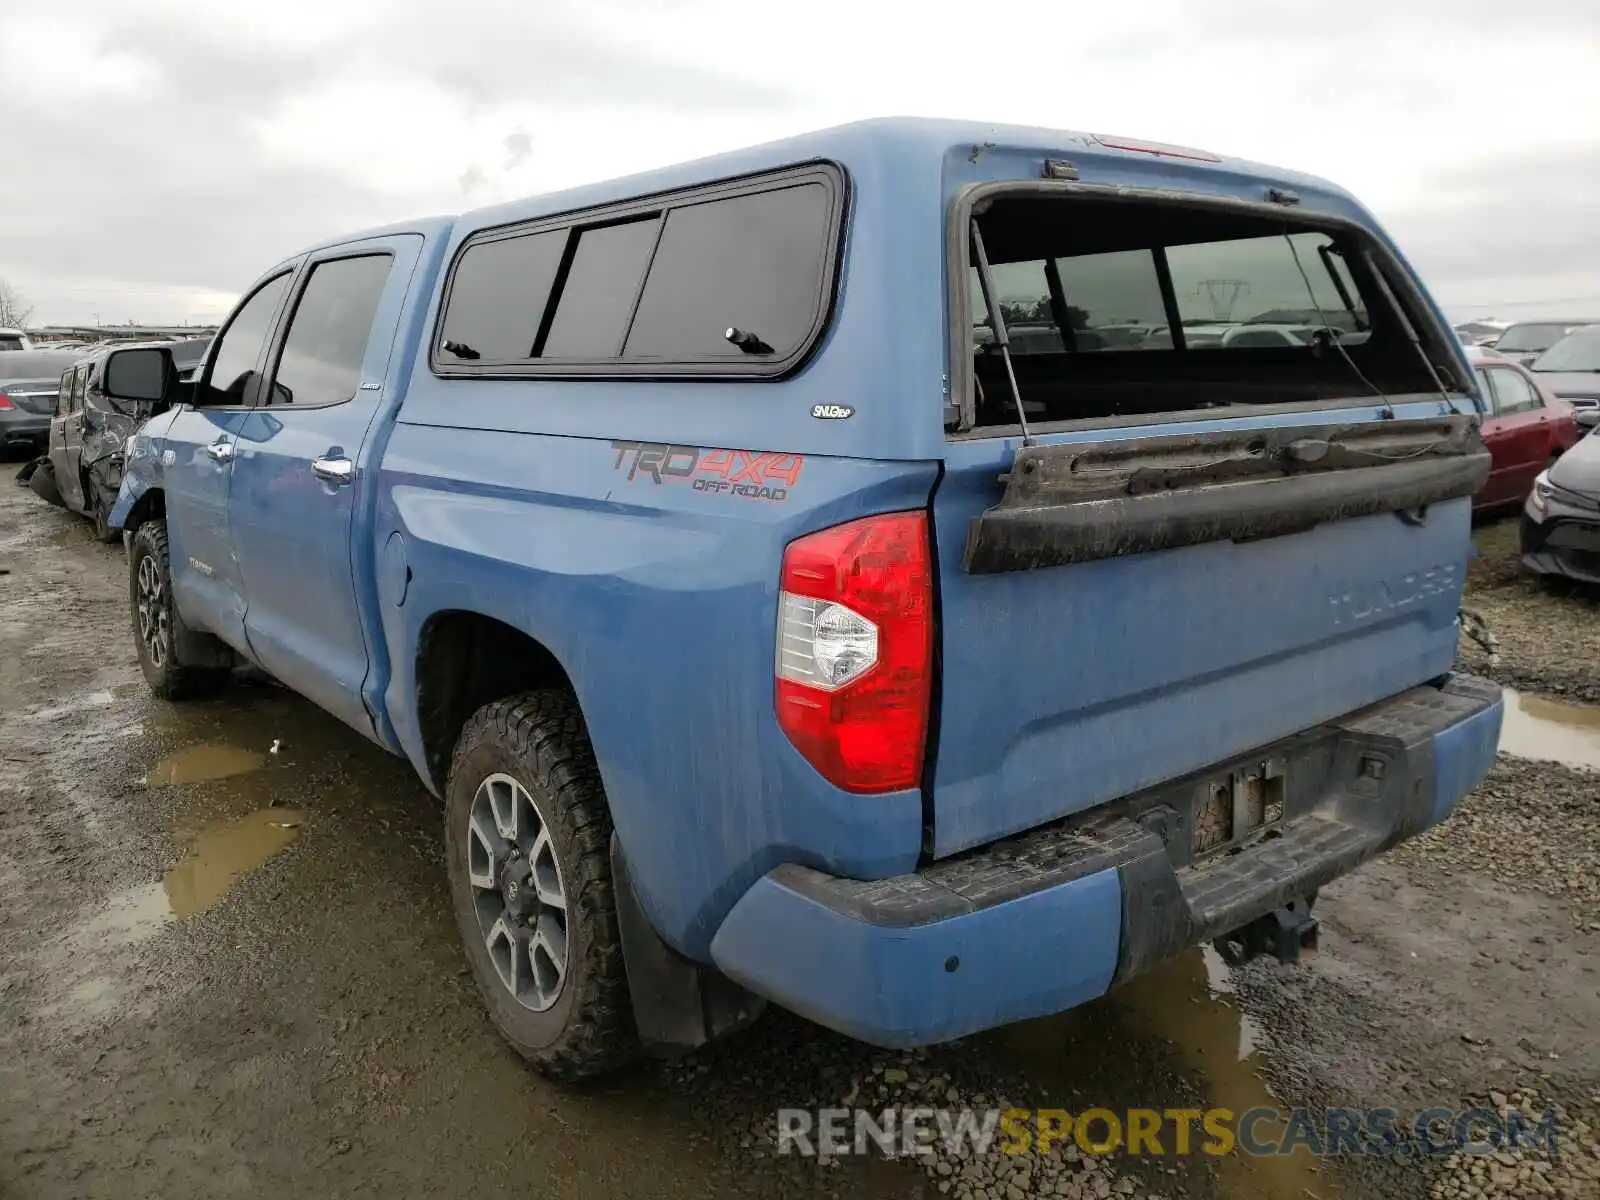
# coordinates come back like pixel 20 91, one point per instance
pixel 678 1005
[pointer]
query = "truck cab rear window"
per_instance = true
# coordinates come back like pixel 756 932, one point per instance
pixel 652 285
pixel 1128 308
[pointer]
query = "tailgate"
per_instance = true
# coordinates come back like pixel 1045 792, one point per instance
pixel 1121 612
pixel 1207 485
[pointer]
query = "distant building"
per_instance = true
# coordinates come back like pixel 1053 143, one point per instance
pixel 45 335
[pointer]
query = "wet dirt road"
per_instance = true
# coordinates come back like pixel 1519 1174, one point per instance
pixel 228 968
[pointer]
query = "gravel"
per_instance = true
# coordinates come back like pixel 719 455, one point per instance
pixel 787 1063
pixel 1549 630
pixel 284 1037
pixel 1573 1171
pixel 1532 826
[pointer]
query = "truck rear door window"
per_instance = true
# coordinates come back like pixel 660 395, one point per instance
pixel 1129 308
pixel 321 359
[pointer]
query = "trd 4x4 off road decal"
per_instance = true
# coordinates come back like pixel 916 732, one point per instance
pixel 750 474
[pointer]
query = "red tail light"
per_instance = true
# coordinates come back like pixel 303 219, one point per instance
pixel 854 665
pixel 5 400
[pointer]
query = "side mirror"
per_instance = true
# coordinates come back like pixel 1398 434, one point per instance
pixel 1588 418
pixel 138 373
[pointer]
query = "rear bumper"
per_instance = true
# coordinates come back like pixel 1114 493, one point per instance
pixel 18 426
pixel 1047 920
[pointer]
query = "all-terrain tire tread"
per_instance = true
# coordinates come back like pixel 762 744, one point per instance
pixel 546 731
pixel 175 682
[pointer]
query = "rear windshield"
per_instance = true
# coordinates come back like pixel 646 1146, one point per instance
pixel 1118 307
pixel 36 364
pixel 10 341
pixel 1580 352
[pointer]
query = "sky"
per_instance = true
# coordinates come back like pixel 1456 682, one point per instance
pixel 160 156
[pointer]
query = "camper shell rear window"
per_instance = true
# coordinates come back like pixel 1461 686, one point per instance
pixel 1126 309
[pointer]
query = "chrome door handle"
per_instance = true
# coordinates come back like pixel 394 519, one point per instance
pixel 221 451
pixel 334 470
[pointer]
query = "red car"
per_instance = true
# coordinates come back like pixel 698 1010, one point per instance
pixel 1526 428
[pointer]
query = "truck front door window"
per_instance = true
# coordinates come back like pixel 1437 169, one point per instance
pixel 237 362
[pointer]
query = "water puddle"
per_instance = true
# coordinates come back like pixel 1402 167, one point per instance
pixel 222 852
pixel 1185 1006
pixel 129 916
pixel 199 764
pixel 1185 1002
pixel 1540 728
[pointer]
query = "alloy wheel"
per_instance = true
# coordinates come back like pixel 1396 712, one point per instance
pixel 517 891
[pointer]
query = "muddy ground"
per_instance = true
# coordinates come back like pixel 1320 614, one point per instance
pixel 228 968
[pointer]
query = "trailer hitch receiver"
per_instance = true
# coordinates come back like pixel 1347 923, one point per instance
pixel 1285 933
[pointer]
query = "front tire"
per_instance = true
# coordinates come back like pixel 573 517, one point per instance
pixel 527 839
pixel 97 513
pixel 156 623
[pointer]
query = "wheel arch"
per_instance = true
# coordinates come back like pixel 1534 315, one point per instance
pixel 465 660
pixel 150 506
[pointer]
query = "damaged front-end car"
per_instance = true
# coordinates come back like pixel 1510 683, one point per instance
pixel 40 476
pixel 1561 518
pixel 105 399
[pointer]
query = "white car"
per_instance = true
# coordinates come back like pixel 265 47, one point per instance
pixel 1268 335
pixel 15 339
pixel 1195 337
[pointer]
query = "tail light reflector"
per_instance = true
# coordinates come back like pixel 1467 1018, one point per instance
pixel 854 661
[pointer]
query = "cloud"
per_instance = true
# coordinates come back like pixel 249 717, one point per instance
pixel 1511 233
pixel 199 143
pixel 519 148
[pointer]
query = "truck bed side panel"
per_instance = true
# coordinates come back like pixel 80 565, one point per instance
pixel 659 600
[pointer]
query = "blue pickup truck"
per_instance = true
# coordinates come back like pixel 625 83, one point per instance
pixel 853 573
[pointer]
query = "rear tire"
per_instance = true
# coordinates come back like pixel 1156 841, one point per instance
pixel 157 626
pixel 526 824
